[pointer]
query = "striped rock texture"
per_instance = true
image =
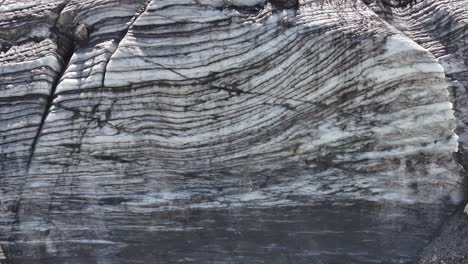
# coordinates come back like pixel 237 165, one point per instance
pixel 236 131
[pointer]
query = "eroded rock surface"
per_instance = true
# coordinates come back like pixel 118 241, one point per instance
pixel 229 131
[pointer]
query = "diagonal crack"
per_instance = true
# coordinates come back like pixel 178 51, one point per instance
pixel 66 56
pixel 66 47
pixel 139 12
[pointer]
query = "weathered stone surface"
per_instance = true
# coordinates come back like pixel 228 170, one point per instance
pixel 229 131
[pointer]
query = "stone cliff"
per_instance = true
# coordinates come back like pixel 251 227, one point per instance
pixel 235 131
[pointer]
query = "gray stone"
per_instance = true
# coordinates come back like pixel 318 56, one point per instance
pixel 241 132
pixel 81 33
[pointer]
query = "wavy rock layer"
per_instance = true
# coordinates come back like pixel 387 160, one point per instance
pixel 226 131
pixel 441 28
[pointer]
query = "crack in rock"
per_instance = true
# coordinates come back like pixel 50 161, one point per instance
pixel 140 11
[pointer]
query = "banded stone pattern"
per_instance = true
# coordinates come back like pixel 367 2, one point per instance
pixel 31 58
pixel 441 27
pixel 168 128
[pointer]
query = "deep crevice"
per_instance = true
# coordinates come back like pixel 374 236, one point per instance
pixel 68 48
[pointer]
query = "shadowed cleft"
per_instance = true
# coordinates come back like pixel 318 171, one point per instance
pixel 285 4
pixel 4 47
pixel 112 200
pixel 257 8
pixel 66 53
pixel 111 158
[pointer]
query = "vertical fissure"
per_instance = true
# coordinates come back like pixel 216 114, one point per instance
pixel 50 98
pixel 66 48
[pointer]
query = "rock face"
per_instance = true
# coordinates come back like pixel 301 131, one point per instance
pixel 229 131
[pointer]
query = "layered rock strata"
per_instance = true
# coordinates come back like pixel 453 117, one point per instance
pixel 228 131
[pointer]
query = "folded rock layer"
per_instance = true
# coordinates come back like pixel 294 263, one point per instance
pixel 228 131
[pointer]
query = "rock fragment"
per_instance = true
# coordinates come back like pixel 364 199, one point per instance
pixel 81 33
